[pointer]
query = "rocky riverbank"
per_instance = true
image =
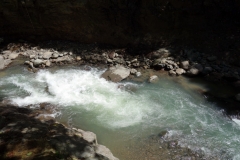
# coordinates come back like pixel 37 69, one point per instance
pixel 24 136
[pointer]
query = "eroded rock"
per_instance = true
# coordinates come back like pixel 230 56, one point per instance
pixel 116 74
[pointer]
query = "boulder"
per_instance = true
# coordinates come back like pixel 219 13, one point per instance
pixel 184 64
pixel 133 71
pixel 195 70
pixel 138 74
pixel 47 55
pixel 104 151
pixel 116 74
pixel 48 63
pixel 112 55
pixel 55 55
pixel 78 58
pixel 37 62
pixel 1 62
pixel 172 73
pixel 13 56
pixel 180 71
pixel 153 79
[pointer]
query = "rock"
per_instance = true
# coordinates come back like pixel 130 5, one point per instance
pixel 153 79
pixel 180 71
pixel 1 62
pixel 134 60
pixel 78 58
pixel 48 63
pixel 116 74
pixel 109 60
pixel 237 97
pixel 1 40
pixel 61 55
pixel 133 71
pixel 90 137
pixel 160 53
pixel 7 62
pixel 207 70
pixel 184 64
pixel 13 56
pixel 104 151
pixel 47 55
pixel 37 62
pixel 138 74
pixel 112 55
pixel 63 59
pixel 55 55
pixel 32 56
pixel 172 73
pixel 195 70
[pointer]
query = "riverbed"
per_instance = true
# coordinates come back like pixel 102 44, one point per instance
pixel 134 119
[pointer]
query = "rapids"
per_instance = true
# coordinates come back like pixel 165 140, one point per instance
pixel 120 113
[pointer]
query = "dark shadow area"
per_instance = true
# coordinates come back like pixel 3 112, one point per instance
pixel 24 137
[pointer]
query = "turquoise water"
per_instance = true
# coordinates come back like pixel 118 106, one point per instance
pixel 124 113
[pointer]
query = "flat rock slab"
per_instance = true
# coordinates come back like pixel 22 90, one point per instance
pixel 116 74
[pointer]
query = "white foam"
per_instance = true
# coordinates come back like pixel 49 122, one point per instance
pixel 236 121
pixel 86 90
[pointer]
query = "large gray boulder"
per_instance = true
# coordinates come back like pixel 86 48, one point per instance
pixel 1 62
pixel 116 74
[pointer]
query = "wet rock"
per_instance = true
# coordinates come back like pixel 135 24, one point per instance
pixel 153 79
pixel 13 56
pixel 116 74
pixel 47 55
pixel 1 62
pixel 104 151
pixel 180 71
pixel 184 64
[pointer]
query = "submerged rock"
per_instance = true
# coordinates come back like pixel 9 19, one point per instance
pixel 116 74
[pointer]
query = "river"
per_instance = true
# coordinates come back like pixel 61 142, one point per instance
pixel 127 115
